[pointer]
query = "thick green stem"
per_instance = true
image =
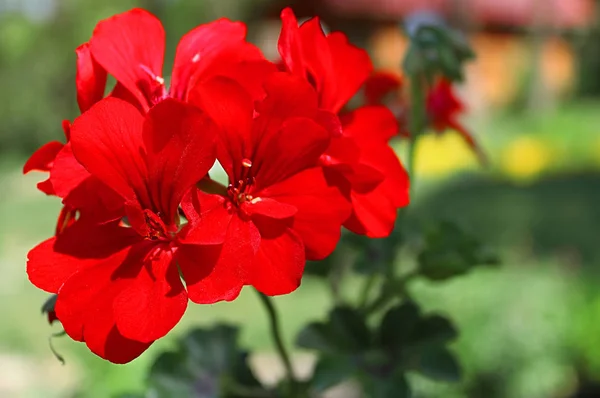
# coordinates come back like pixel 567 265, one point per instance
pixel 276 333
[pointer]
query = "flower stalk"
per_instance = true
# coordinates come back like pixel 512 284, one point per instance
pixel 278 340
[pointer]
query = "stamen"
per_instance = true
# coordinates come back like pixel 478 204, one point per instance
pixel 196 58
pixel 154 77
pixel 246 163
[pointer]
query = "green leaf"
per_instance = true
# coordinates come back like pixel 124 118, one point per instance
pixel 394 386
pixel 320 269
pixel 350 329
pixel 435 329
pixel 438 363
pixel 344 332
pixel 316 336
pixel 449 251
pixel 207 364
pixel 331 371
pixel 398 325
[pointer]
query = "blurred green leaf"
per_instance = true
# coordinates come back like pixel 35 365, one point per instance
pixel 331 371
pixel 208 364
pixel 394 386
pixel 449 251
pixel 316 336
pixel 345 332
pixel 436 329
pixel 439 364
pixel 349 328
pixel 398 325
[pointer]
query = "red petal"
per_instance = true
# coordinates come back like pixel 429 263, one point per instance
pixel 269 208
pixel 321 210
pixel 66 218
pixel 344 170
pixel 53 261
pixel 250 74
pixel 297 146
pixel 46 187
pixel 290 44
pixel 216 273
pixel 107 141
pixel 67 173
pixel 43 158
pixel 154 299
pixel 279 263
pixel 336 68
pixel 66 126
pixel 90 78
pixel 130 46
pixel 370 123
pixel 85 309
pixel 350 68
pixel 82 191
pixel 232 108
pixel 208 218
pixel 202 49
pixel 180 143
pixel 375 211
pixel 380 84
pixel 95 201
pixel 288 96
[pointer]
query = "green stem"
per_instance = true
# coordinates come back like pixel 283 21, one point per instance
pixel 276 333
pixel 390 290
pixel 412 150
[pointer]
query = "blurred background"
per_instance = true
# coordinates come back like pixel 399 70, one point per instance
pixel 529 329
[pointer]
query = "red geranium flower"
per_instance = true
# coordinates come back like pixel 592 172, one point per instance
pixel 131 46
pixel 278 209
pixel 119 287
pixel 444 108
pixel 354 160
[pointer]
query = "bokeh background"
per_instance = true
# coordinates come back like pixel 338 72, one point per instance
pixel 529 329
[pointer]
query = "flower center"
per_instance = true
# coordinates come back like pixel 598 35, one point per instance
pixel 156 228
pixel 241 190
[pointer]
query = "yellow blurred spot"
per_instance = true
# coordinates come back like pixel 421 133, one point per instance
pixel 525 158
pixel 440 155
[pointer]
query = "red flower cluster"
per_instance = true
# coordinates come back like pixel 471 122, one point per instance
pixel 144 228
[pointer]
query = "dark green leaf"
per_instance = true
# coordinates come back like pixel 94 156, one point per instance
pixel 438 363
pixel 319 268
pixel 208 364
pixel 345 332
pixel 398 325
pixel 316 336
pixel 435 330
pixel 331 371
pixel 394 386
pixel 349 328
pixel 450 251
